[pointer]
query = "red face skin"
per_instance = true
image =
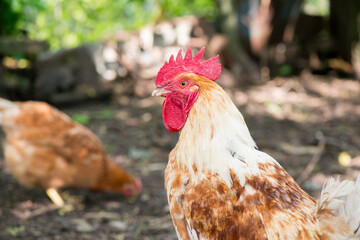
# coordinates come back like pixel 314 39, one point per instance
pixel 132 189
pixel 180 97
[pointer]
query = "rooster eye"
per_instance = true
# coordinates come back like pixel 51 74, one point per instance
pixel 183 83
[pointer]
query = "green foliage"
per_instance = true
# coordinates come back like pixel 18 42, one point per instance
pixel 81 118
pixel 317 7
pixel 107 113
pixel 175 8
pixel 17 15
pixel 285 70
pixel 273 107
pixel 67 23
pixel 61 212
pixel 15 82
pixel 341 129
pixel 8 16
pixel 15 231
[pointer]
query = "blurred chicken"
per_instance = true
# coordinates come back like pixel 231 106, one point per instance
pixel 219 186
pixel 45 148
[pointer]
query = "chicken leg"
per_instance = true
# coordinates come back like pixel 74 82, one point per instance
pixel 55 197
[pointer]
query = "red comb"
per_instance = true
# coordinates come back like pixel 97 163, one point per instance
pixel 210 69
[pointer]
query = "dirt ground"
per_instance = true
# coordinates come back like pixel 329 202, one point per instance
pixel 289 118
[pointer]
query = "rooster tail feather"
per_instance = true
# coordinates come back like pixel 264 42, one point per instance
pixel 342 198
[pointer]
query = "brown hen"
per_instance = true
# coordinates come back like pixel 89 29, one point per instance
pixel 45 148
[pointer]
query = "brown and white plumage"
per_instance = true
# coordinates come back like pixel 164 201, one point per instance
pixel 45 148
pixel 220 186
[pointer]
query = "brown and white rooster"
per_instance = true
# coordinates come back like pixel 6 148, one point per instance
pixel 220 186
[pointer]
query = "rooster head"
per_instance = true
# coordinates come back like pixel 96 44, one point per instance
pixel 180 91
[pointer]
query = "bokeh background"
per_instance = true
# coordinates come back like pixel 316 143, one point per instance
pixel 291 67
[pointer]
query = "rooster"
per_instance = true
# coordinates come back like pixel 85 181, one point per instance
pixel 220 186
pixel 45 148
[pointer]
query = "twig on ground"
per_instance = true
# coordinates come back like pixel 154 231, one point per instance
pixel 37 212
pixel 310 167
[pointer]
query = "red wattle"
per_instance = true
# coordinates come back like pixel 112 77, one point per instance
pixel 176 108
pixel 174 115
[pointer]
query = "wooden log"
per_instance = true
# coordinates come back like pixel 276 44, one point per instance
pixel 11 46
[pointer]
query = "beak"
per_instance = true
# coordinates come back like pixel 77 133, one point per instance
pixel 160 92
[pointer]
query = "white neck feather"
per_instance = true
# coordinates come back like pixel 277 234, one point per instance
pixel 215 138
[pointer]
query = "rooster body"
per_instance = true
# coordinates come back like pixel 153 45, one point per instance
pixel 219 186
pixel 45 148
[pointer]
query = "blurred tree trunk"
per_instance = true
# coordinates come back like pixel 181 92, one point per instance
pixel 344 27
pixel 228 24
pixel 2 4
pixel 1 17
pixel 267 22
pixel 252 25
